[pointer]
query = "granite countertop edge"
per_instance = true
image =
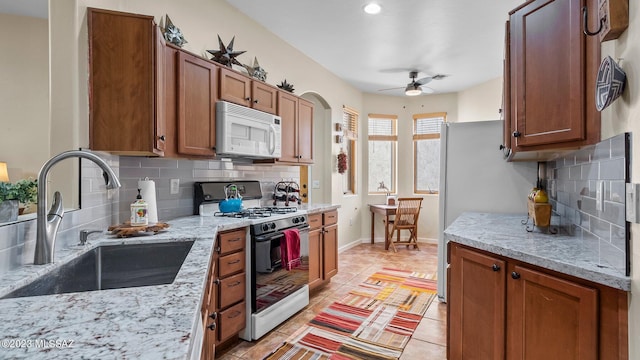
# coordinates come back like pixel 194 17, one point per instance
pixel 503 234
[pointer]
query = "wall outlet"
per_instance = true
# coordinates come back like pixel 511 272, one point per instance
pixel 175 186
pixel 632 203
pixel 315 184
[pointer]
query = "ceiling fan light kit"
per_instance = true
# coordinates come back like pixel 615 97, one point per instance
pixel 413 90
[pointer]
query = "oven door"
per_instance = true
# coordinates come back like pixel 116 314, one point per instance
pixel 271 280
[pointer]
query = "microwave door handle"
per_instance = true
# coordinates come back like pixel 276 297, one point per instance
pixel 272 139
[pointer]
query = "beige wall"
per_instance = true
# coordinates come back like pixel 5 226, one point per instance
pixel 481 102
pixel 624 116
pixel 24 94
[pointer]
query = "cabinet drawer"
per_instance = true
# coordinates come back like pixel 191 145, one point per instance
pixel 231 241
pixel 231 290
pixel 315 221
pixel 231 321
pixel 230 264
pixel 330 217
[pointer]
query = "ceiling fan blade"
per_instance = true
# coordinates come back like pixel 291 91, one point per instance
pixel 424 80
pixel 439 76
pixel 395 88
pixel 427 90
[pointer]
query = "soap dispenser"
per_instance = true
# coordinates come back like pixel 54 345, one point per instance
pixel 139 211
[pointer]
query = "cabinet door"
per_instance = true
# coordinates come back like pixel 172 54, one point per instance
pixel 550 318
pixel 505 112
pixel 330 251
pixel 170 101
pixel 124 79
pixel 476 305
pixel 234 87
pixel 548 72
pixel 315 258
pixel 288 111
pixel 196 128
pixel 264 97
pixel 305 131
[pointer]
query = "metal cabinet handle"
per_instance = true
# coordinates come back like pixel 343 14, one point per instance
pixel 234 284
pixel 516 134
pixel 233 262
pixel 212 326
pixel 235 239
pixel 162 138
pixel 247 98
pixel 213 315
pixel 255 101
pixel 216 281
pixel 235 314
pixel 515 275
pixel 495 267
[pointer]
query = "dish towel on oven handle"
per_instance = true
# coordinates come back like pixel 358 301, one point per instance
pixel 290 249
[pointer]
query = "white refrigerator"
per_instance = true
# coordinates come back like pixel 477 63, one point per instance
pixel 475 177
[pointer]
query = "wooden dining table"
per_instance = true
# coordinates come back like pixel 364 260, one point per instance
pixel 386 211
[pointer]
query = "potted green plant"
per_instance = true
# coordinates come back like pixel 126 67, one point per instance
pixel 23 192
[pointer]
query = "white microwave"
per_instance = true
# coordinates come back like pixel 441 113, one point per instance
pixel 245 132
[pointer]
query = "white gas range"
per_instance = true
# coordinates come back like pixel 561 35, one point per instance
pixel 276 289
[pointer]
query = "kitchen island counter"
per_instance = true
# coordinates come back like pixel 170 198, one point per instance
pixel 505 235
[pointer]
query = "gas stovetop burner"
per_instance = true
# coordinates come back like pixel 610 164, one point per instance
pixel 257 212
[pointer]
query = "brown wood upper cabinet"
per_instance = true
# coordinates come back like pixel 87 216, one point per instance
pixel 551 77
pixel 242 90
pixel 501 308
pixel 126 84
pixel 297 128
pixel 196 105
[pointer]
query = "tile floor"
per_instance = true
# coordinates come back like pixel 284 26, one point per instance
pixel 355 265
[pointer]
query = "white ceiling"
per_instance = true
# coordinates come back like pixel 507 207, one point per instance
pixel 460 38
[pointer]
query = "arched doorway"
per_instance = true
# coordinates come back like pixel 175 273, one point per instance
pixel 316 178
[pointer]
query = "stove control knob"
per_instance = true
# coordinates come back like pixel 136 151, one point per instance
pixel 295 220
pixel 273 226
pixel 265 227
pixel 302 219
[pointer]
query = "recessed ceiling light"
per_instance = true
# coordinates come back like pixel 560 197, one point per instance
pixel 372 8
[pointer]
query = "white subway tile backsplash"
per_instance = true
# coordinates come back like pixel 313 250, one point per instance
pixel 575 177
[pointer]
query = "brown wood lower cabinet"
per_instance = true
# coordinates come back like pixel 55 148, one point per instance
pixel 223 309
pixel 500 308
pixel 323 248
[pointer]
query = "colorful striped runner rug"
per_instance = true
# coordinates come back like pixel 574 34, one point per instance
pixel 373 321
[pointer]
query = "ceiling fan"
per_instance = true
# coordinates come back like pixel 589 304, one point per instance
pixel 414 87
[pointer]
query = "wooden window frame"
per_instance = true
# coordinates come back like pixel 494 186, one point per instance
pixel 350 137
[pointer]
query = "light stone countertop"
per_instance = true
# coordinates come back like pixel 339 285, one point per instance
pixel 504 234
pixel 150 322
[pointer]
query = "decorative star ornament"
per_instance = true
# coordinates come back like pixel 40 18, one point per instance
pixel 286 86
pixel 225 56
pixel 173 34
pixel 256 71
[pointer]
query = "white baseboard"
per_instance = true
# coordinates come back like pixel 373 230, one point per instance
pixel 350 245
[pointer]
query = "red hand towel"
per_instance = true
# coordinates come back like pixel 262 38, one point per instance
pixel 290 249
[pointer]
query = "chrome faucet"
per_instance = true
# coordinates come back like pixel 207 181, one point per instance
pixel 47 228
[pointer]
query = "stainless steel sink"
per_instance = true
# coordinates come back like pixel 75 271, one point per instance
pixel 112 267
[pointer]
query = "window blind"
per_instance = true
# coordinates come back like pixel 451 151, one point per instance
pixel 350 122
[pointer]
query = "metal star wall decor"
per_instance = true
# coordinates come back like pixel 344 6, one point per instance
pixel 173 34
pixel 286 86
pixel 226 56
pixel 256 71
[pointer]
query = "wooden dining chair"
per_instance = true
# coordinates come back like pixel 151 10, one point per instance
pixel 406 218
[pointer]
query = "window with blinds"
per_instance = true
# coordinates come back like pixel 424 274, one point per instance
pixel 426 152
pixel 382 144
pixel 350 141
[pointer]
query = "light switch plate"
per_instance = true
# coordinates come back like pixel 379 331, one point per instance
pixel 175 186
pixel 632 203
pixel 315 184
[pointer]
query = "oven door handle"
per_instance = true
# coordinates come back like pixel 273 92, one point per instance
pixel 263 238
